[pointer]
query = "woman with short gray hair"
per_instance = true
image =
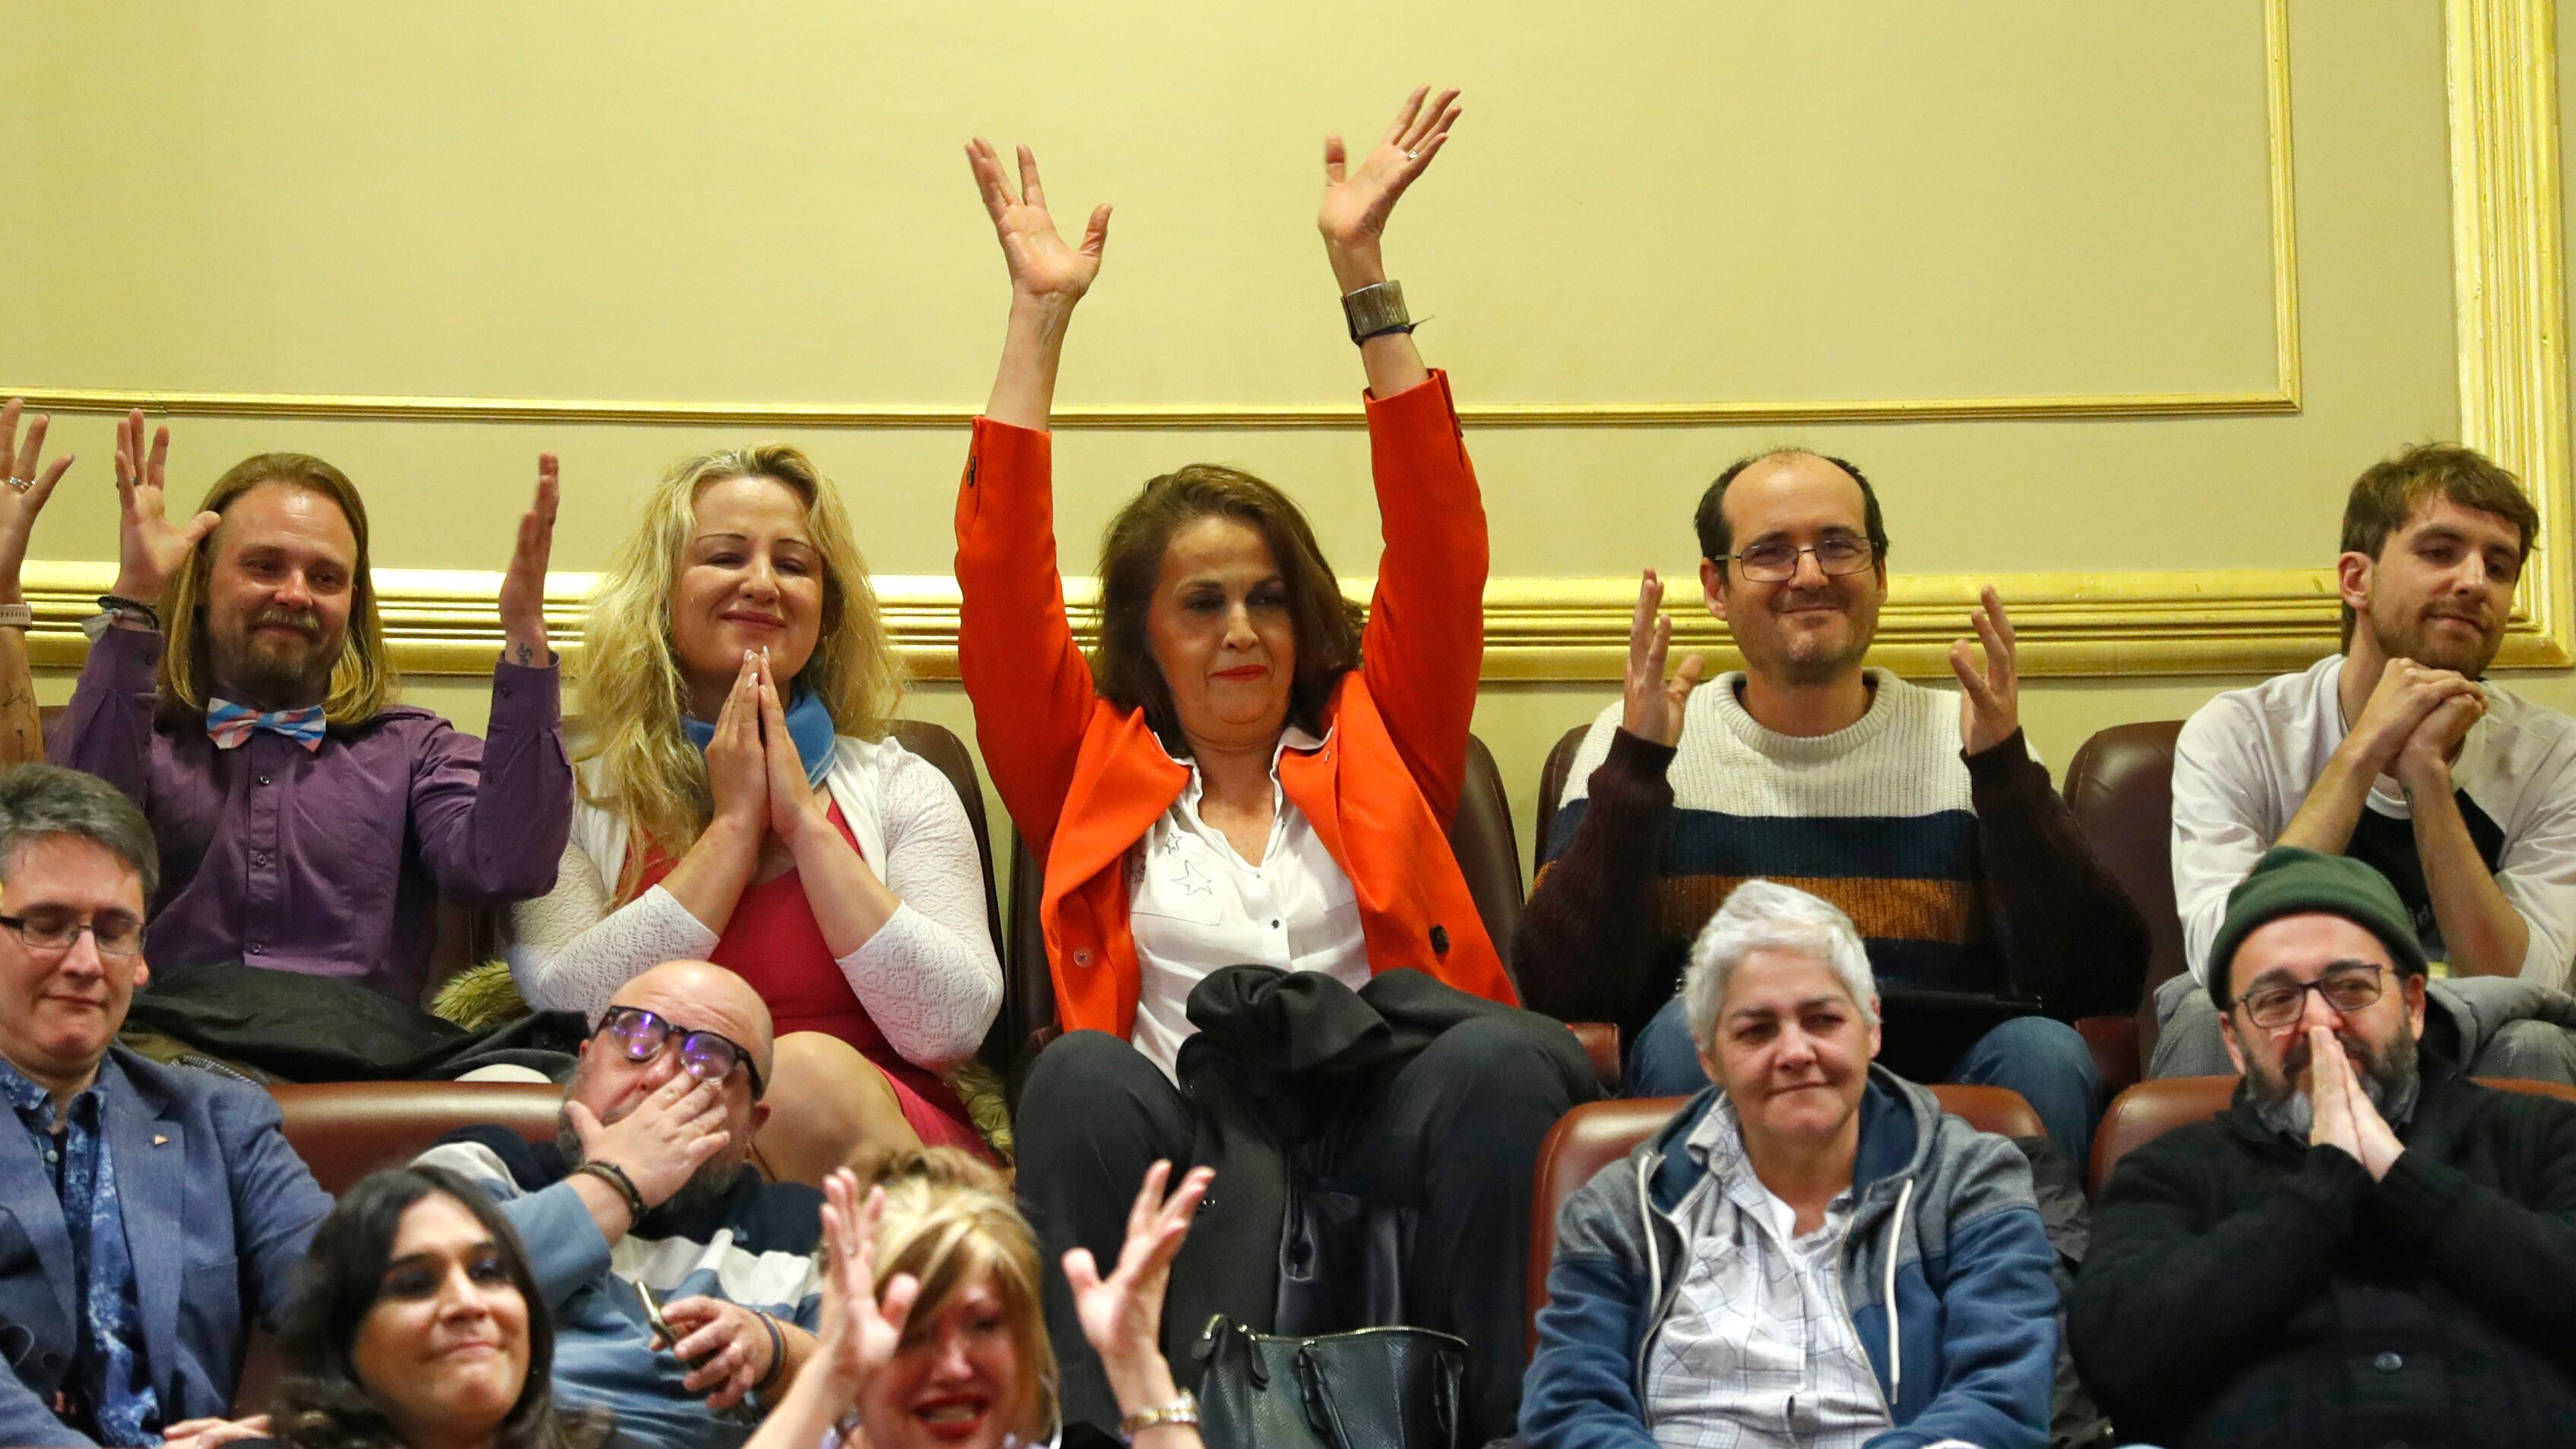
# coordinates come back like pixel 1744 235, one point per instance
pixel 1810 1253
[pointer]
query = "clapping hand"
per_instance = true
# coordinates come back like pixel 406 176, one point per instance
pixel 1653 705
pixel 1989 698
pixel 1043 268
pixel 29 486
pixel 149 547
pixel 860 1330
pixel 1122 1314
pixel 523 588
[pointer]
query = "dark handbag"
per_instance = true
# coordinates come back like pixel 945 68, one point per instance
pixel 1377 1388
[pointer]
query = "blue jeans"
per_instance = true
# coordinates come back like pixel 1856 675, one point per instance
pixel 2047 1061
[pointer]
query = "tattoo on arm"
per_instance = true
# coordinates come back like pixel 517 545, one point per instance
pixel 527 656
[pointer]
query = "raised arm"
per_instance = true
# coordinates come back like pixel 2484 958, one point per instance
pixel 108 729
pixel 1424 646
pixel 492 817
pixel 1027 680
pixel 1589 944
pixel 2072 936
pixel 31 481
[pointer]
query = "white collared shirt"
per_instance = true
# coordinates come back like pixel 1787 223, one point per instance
pixel 1196 905
pixel 1759 1351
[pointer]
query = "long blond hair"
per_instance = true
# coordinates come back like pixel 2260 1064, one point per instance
pixel 363 678
pixel 632 692
pixel 950 1223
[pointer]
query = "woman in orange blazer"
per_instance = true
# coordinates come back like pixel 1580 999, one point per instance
pixel 1245 774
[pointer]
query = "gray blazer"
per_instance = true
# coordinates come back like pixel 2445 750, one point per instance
pixel 218 1212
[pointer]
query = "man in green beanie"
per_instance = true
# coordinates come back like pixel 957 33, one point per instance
pixel 2366 1247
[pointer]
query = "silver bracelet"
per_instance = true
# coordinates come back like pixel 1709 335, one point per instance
pixel 1183 1410
pixel 1376 310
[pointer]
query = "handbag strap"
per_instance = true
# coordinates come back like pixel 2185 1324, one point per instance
pixel 1321 1412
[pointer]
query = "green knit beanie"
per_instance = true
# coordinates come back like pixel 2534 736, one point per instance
pixel 2291 881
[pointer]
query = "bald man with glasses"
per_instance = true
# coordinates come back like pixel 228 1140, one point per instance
pixel 1923 815
pixel 683 1282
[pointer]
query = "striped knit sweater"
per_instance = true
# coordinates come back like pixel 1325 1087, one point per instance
pixel 1962 874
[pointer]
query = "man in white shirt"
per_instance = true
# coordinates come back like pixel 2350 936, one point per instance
pixel 2399 752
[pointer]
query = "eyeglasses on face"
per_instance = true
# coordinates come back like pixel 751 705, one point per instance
pixel 1776 562
pixel 51 928
pixel 706 1055
pixel 2346 988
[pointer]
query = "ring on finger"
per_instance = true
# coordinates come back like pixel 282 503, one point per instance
pixel 1414 155
pixel 22 484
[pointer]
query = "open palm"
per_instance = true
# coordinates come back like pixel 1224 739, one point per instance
pixel 1358 200
pixel 1042 265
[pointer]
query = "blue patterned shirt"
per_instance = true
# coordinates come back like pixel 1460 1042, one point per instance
pixel 110 1376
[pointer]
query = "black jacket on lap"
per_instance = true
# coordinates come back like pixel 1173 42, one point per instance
pixel 2247 1290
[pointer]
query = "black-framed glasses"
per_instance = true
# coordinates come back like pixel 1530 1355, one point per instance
pixel 1776 562
pixel 116 934
pixel 706 1055
pixel 2346 988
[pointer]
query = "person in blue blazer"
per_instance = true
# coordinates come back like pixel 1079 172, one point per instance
pixel 147 1213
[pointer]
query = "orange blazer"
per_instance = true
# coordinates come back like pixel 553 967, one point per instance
pixel 1085 778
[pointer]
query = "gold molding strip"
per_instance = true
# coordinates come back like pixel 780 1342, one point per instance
pixel 2501 77
pixel 444 622
pixel 2282 398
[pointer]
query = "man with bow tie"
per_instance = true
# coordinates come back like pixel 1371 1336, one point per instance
pixel 238 689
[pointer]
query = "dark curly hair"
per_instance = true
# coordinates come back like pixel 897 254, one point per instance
pixel 320 1402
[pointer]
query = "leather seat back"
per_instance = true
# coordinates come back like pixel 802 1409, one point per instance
pixel 2120 788
pixel 345 1130
pixel 2151 1109
pixel 1597 1134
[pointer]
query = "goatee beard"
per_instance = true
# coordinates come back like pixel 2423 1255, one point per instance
pixel 2390 1081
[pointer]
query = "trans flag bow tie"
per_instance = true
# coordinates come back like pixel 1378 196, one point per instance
pixel 230 724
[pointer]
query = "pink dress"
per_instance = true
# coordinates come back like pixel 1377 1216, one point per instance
pixel 774 942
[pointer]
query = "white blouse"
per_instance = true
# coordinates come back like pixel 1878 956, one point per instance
pixel 928 977
pixel 1196 905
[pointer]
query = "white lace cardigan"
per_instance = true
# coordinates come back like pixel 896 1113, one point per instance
pixel 928 977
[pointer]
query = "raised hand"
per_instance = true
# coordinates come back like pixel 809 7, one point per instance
pixel 1989 699
pixel 669 1135
pixel 149 547
pixel 725 1345
pixel 860 1331
pixel 1653 705
pixel 29 485
pixel 1042 267
pixel 737 765
pixel 1358 200
pixel 1122 1314
pixel 523 588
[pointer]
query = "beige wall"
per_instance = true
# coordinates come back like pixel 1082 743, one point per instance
pixel 428 241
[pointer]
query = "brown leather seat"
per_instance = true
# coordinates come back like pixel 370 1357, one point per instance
pixel 2151 1109
pixel 1594 1135
pixel 345 1130
pixel 2118 774
pixel 1488 856
pixel 2120 788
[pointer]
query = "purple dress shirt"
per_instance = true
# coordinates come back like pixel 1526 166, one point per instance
pixel 329 862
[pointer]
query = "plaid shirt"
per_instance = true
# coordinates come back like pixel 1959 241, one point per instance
pixel 111 1376
pixel 1758 1352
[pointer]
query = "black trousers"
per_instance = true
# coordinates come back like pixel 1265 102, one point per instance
pixel 1454 1136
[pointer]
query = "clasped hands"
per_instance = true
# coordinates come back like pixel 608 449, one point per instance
pixel 2344 1115
pixel 2412 726
pixel 753 768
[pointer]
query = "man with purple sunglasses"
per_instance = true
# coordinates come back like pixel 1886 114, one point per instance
pixel 682 1281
